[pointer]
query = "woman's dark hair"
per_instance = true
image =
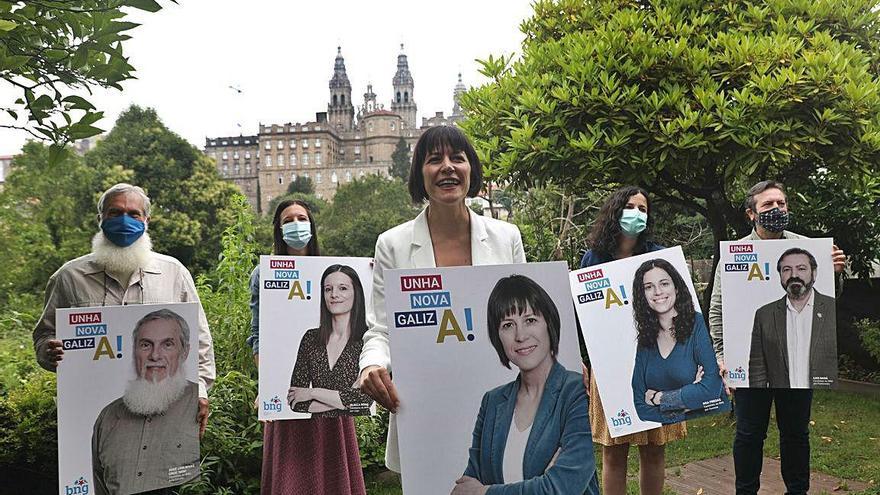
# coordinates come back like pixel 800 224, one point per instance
pixel 442 139
pixel 647 323
pixel 278 244
pixel 358 319
pixel 514 294
pixel 604 235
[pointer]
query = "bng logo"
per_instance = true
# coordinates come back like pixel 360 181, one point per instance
pixel 737 374
pixel 273 405
pixel 622 419
pixel 80 486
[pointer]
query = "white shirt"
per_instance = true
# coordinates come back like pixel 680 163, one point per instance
pixel 514 452
pixel 798 333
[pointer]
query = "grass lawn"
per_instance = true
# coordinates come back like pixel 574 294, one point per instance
pixel 845 441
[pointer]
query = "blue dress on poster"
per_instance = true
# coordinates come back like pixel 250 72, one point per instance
pixel 682 398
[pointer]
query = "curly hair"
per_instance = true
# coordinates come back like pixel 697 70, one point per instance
pixel 646 321
pixel 604 235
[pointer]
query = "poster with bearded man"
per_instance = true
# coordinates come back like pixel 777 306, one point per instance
pixel 127 399
pixel 779 314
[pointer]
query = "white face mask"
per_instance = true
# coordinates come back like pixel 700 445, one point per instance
pixel 633 222
pixel 297 234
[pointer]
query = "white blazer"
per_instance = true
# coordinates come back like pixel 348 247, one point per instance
pixel 493 242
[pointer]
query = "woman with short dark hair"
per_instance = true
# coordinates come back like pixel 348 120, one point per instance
pixel 545 407
pixel 445 170
pixel 304 456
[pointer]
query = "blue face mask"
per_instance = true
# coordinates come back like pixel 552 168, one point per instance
pixel 633 222
pixel 297 234
pixel 123 230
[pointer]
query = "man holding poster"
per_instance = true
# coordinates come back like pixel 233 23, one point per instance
pixel 767 208
pixel 147 437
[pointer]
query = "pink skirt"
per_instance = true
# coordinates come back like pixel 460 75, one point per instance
pixel 311 456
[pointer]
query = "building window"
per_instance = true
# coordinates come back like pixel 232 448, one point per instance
pixel 293 177
pixel 306 175
pixel 357 150
pixel 305 143
pixel 225 155
pixel 392 126
pixel 317 142
pixel 247 155
pixel 348 176
pixel 317 158
pixel 235 155
pixel 305 159
pixel 318 178
pixel 371 158
pixel 333 178
pixel 236 169
pixel 317 127
pixel 247 167
pixel 280 144
pixel 268 160
pixel 292 143
pixel 280 179
pixel 225 169
pixel 280 160
pixel 292 159
pixel 225 142
pixel 361 174
pixel 268 145
pixel 370 127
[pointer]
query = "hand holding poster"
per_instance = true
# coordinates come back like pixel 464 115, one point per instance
pixel 471 348
pixel 647 340
pixel 312 320
pixel 127 398
pixel 778 313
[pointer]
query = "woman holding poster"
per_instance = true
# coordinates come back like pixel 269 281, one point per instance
pixel 302 457
pixel 327 362
pixel 675 373
pixel 445 170
pixel 544 408
pixel 623 229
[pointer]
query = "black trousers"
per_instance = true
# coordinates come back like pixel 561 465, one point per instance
pixel 792 419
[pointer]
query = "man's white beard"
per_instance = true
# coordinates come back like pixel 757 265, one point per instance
pixel 117 259
pixel 148 398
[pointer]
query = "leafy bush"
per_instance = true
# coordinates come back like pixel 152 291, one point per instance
pixel 371 433
pixel 869 333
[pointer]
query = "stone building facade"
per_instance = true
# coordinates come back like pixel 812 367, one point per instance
pixel 340 145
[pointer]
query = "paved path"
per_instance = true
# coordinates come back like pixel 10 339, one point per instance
pixel 716 477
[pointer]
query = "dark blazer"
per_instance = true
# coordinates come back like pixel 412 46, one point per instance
pixel 560 423
pixel 768 359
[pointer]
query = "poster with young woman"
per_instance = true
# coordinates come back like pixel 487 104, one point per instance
pixel 313 314
pixel 778 313
pixel 485 360
pixel 648 342
pixel 127 398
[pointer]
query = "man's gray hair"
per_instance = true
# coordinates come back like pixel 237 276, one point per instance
pixel 123 188
pixel 758 189
pixel 163 314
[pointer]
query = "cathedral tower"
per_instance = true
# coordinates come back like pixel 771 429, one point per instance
pixel 402 102
pixel 340 110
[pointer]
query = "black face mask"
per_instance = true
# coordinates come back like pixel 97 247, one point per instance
pixel 774 220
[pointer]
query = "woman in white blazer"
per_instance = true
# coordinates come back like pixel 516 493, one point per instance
pixel 445 170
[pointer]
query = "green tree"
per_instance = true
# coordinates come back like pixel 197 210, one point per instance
pixel 47 215
pixel 400 161
pixel 693 100
pixel 301 185
pixel 192 204
pixel 52 49
pixel 361 210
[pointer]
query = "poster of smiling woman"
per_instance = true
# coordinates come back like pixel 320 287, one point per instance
pixel 648 342
pixel 486 364
pixel 127 398
pixel 313 315
pixel 778 313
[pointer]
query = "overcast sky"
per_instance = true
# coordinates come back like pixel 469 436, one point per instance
pixel 280 54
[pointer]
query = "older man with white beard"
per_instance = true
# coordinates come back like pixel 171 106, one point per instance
pixel 123 269
pixel 147 439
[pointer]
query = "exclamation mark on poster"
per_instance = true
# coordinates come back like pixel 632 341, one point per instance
pixel 308 289
pixel 767 271
pixel 468 321
pixel 118 346
pixel 623 294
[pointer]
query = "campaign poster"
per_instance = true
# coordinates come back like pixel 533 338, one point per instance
pixel 778 312
pixel 313 315
pixel 127 398
pixel 648 342
pixel 460 337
